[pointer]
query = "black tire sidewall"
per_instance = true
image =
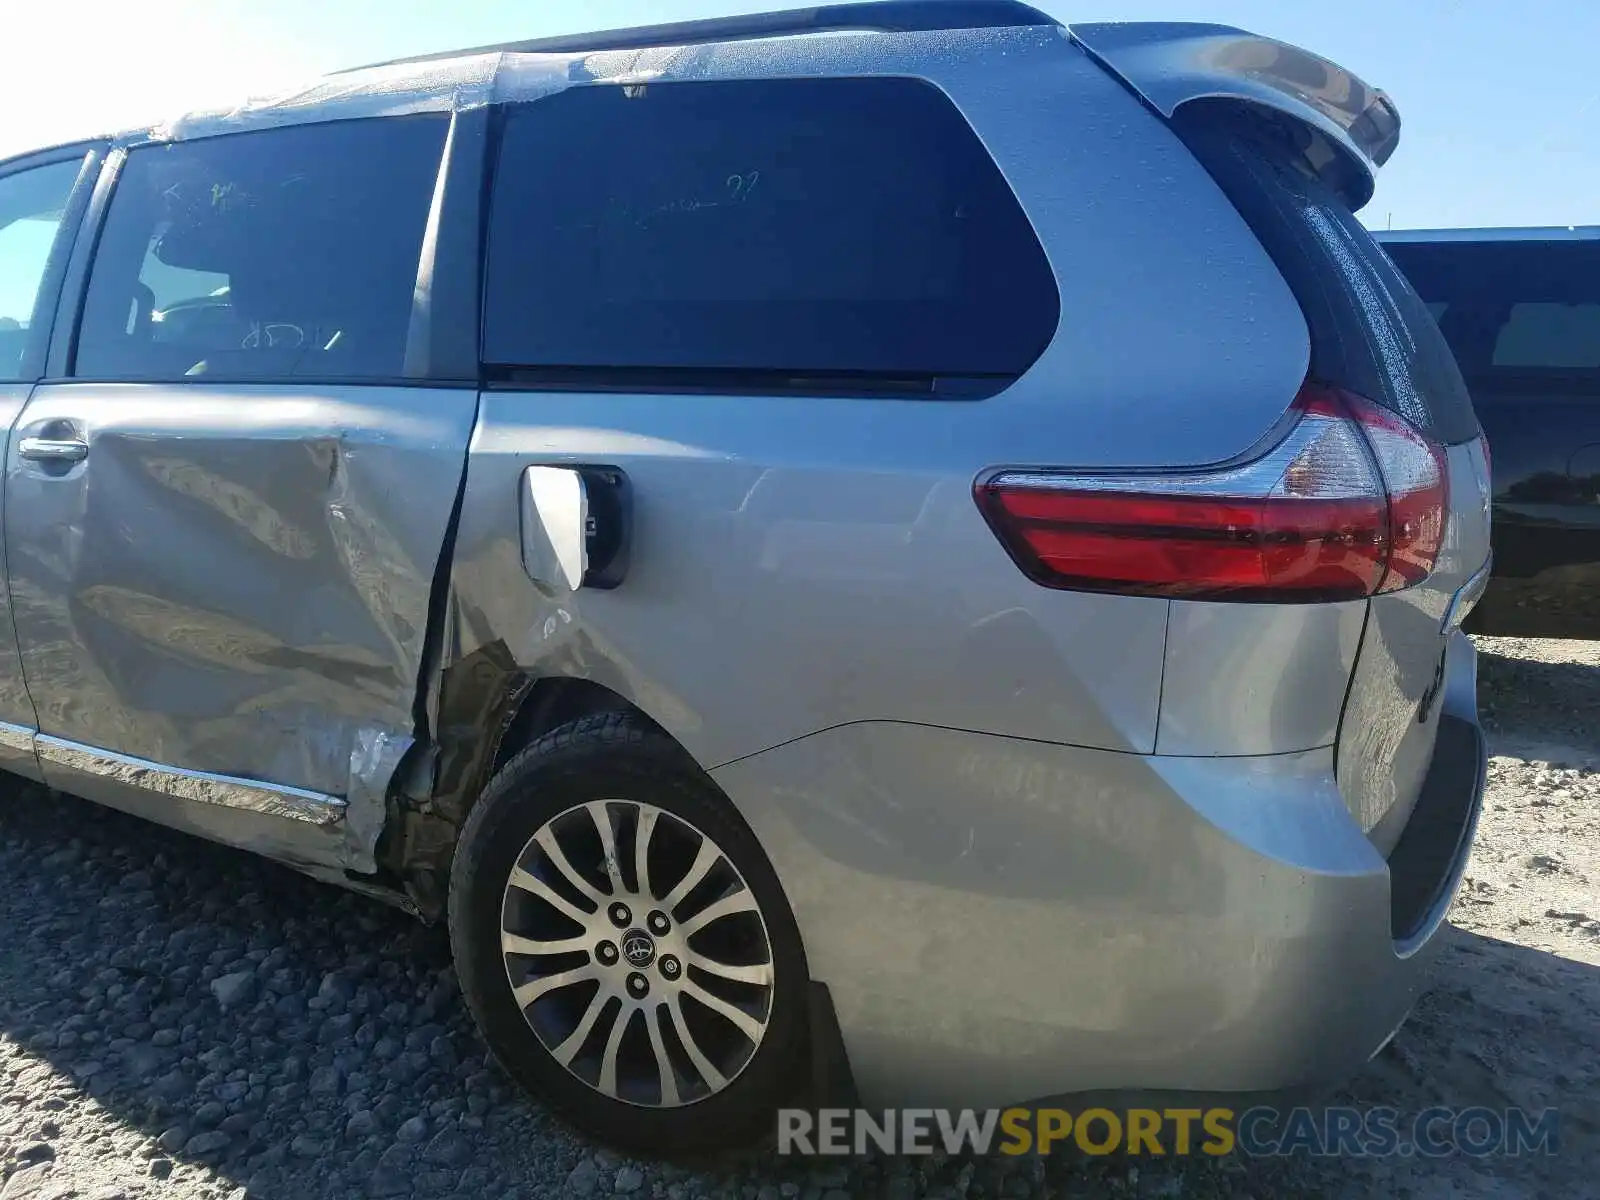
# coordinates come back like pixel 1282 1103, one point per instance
pixel 614 760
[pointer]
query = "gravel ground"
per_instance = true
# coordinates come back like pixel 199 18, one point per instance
pixel 181 1020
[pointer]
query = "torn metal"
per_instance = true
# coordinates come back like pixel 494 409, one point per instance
pixel 374 758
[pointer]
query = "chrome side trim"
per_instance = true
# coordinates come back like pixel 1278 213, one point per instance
pixel 17 752
pixel 17 739
pixel 1466 598
pixel 199 786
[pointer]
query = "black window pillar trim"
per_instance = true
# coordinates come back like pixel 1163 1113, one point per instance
pixel 451 270
pixel 75 280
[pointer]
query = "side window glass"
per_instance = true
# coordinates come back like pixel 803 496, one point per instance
pixel 1514 308
pixel 277 254
pixel 734 232
pixel 1551 337
pixel 190 308
pixel 31 205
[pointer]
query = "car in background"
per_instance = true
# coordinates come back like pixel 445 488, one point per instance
pixel 1520 308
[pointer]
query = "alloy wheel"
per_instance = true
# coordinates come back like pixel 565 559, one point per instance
pixel 637 953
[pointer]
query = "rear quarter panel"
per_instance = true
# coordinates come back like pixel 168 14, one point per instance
pixel 804 563
pixel 1391 718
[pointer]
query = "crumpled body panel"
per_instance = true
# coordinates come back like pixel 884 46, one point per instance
pixel 236 580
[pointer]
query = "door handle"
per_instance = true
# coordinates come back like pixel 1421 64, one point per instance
pixel 53 450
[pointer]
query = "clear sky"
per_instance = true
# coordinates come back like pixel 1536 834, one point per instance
pixel 1501 101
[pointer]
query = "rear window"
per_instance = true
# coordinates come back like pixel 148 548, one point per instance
pixel 1370 331
pixel 1512 308
pixel 759 233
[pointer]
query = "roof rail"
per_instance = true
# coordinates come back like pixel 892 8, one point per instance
pixel 1514 233
pixel 877 16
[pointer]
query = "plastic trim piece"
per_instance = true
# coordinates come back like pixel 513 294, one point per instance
pixel 74 279
pixel 1171 64
pixel 1426 865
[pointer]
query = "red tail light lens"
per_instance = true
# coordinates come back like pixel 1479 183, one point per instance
pixel 1349 503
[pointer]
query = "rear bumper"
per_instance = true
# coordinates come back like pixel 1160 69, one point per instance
pixel 1425 865
pixel 1001 920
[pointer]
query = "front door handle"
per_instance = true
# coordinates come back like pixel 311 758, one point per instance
pixel 53 450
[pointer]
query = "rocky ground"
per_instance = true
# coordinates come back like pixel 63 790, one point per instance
pixel 182 1020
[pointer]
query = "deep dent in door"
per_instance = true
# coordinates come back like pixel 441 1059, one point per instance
pixel 238 581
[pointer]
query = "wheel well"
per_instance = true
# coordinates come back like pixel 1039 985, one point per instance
pixel 489 711
pixel 551 703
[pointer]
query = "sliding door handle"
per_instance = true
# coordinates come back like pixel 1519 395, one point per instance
pixel 53 450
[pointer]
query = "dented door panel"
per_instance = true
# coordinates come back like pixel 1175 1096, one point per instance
pixel 235 580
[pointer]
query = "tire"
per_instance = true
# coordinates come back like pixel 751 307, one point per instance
pixel 615 769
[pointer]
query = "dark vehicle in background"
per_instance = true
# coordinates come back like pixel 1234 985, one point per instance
pixel 1521 310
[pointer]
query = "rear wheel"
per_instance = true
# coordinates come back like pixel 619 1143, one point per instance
pixel 623 943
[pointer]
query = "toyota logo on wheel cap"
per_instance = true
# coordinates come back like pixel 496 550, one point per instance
pixel 639 948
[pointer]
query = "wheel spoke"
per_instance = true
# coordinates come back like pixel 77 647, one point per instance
pixel 669 1079
pixel 704 860
pixel 553 851
pixel 641 849
pixel 587 1030
pixel 739 902
pixel 528 992
pixel 608 1059
pixel 608 842
pixel 758 973
pixel 715 1080
pixel 737 1017
pixel 574 1041
pixel 515 943
pixel 535 886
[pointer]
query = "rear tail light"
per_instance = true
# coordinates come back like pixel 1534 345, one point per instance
pixel 1349 503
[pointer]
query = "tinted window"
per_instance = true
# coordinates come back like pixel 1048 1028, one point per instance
pixel 1512 307
pixel 1370 332
pixel 854 226
pixel 1556 336
pixel 31 204
pixel 287 252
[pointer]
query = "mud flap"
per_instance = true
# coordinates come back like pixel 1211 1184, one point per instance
pixel 832 1084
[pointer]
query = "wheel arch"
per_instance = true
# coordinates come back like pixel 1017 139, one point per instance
pixel 489 709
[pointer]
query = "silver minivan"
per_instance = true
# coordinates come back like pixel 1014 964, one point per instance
pixel 920 562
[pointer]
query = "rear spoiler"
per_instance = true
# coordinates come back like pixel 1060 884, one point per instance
pixel 1171 64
